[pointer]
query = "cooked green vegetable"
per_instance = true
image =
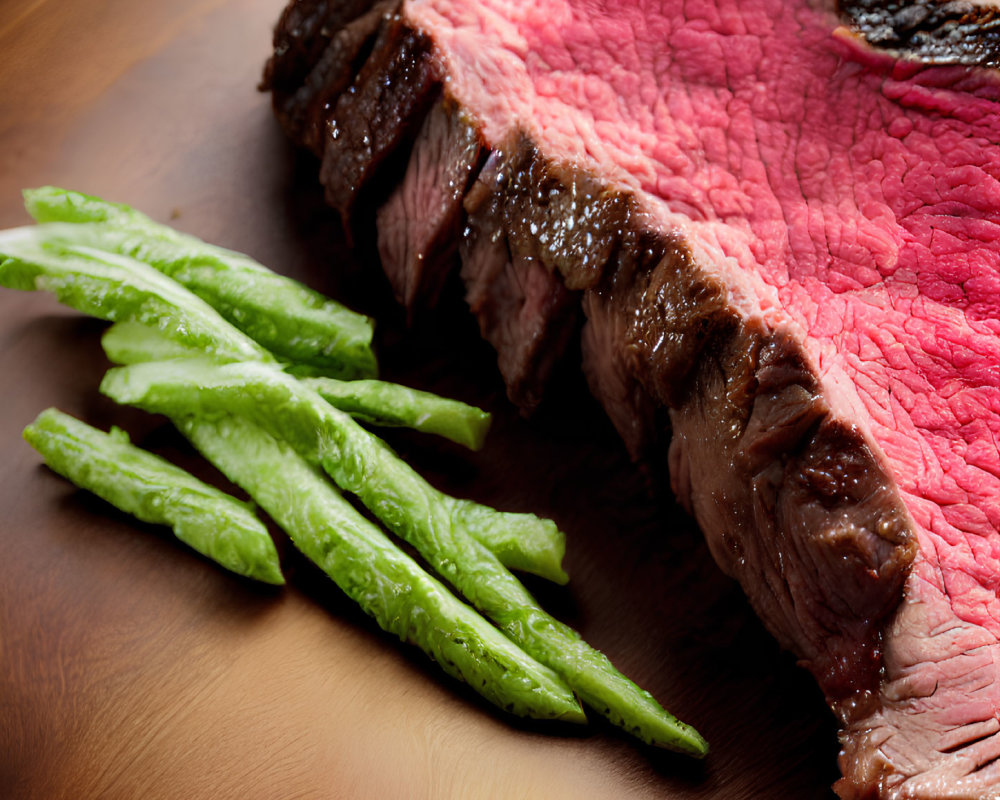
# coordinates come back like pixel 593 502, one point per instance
pixel 272 432
pixel 144 485
pixel 375 402
pixel 297 324
pixel 363 465
pixel 521 541
pixel 129 342
pixel 391 405
pixel 372 571
pixel 117 288
pixel 524 541
pixel 52 204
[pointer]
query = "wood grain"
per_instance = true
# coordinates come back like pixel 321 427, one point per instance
pixel 130 667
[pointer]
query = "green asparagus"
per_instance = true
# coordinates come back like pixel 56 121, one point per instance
pixel 294 322
pixel 369 568
pixel 524 541
pixel 153 490
pixel 391 405
pixel 52 204
pixel 129 342
pixel 363 465
pixel 374 402
pixel 116 288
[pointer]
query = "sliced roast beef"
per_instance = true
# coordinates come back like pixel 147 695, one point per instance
pixel 301 36
pixel 523 307
pixel 787 241
pixel 304 111
pixel 378 114
pixel 419 226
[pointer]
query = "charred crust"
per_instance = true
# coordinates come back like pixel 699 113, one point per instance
pixel 930 31
pixel 303 113
pixel 781 480
pixel 561 216
pixel 301 34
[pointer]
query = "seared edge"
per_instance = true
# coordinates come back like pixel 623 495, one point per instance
pixel 930 31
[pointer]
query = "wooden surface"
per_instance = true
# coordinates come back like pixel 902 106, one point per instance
pixel 130 667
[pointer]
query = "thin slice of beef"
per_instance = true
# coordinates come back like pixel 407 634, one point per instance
pixel 302 34
pixel 377 115
pixel 420 224
pixel 785 240
pixel 523 307
pixel 303 112
pixel 611 373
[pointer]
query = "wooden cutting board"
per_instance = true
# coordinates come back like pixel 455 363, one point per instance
pixel 130 667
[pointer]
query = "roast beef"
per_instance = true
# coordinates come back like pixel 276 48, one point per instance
pixel 773 229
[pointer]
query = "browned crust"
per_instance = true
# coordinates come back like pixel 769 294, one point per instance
pixel 378 115
pixel 930 31
pixel 777 477
pixel 300 37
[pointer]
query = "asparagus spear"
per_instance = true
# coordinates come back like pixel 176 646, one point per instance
pixel 296 323
pixel 130 342
pixel 523 541
pixel 374 402
pixel 114 287
pixel 391 405
pixel 365 466
pixel 372 571
pixel 52 204
pixel 153 490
